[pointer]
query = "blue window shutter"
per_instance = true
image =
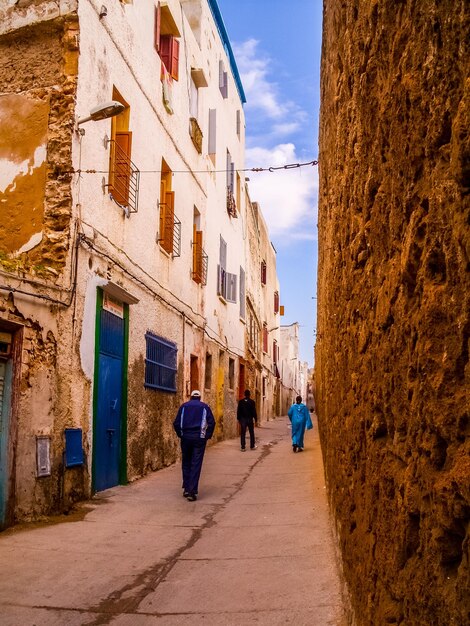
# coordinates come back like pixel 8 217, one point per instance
pixel 160 363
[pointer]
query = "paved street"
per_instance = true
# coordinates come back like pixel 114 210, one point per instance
pixel 256 548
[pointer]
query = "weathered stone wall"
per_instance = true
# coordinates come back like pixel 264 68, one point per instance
pixel 38 66
pixel 392 355
pixel 38 77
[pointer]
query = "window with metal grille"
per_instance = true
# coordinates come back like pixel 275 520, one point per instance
pixel 124 176
pixel 160 363
pixel 200 259
pixel 169 234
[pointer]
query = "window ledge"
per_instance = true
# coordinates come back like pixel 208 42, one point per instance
pixel 165 253
pixel 222 299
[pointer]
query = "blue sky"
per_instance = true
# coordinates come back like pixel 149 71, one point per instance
pixel 277 46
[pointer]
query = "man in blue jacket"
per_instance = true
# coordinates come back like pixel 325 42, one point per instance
pixel 194 425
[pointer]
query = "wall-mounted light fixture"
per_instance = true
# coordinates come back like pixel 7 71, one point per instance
pixel 101 112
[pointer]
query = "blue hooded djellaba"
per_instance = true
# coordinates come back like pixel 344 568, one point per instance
pixel 299 417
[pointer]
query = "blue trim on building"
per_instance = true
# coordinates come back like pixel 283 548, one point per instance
pixel 228 48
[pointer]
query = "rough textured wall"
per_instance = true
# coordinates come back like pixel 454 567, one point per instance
pixel 38 75
pixel 392 355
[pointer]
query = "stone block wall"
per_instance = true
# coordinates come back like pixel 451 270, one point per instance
pixel 392 356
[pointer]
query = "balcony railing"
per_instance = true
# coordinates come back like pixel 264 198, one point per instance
pixel 176 237
pixel 170 231
pixel 124 178
pixel 231 204
pixel 200 263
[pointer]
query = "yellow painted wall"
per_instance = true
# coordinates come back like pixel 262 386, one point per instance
pixel 23 140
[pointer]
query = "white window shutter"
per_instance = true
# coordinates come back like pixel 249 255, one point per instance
pixel 242 294
pixel 212 147
pixel 231 288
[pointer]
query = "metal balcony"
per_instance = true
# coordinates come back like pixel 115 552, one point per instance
pixel 124 178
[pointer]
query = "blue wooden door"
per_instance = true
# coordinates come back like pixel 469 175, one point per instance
pixel 5 394
pixel 108 415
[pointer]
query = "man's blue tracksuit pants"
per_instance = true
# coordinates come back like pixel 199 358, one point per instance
pixel 192 451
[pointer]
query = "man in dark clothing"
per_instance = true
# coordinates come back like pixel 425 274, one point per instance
pixel 246 415
pixel 194 424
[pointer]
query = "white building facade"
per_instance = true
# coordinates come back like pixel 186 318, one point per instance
pixel 123 266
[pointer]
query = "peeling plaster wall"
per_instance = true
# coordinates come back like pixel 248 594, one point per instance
pixel 38 60
pixel 37 83
pixel 23 141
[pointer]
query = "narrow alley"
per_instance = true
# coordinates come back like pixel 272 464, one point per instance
pixel 256 548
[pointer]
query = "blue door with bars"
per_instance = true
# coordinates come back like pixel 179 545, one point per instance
pixel 108 404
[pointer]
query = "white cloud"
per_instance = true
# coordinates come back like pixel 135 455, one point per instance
pixel 260 92
pixel 286 128
pixel 288 198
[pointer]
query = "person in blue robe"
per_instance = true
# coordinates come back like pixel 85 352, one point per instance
pixel 300 419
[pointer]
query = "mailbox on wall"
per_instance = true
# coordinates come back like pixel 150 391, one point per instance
pixel 73 447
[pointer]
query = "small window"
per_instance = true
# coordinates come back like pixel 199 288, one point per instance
pixel 200 260
pixel 160 363
pixel 238 123
pixel 263 272
pixel 208 372
pixel 231 287
pixel 276 302
pixel 223 80
pixel 231 373
pixel 169 54
pixel 221 269
pixel 169 233
pixel 166 41
pixel 265 338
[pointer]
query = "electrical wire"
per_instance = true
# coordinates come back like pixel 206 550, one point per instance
pixel 43 296
pixel 203 327
pixel 289 166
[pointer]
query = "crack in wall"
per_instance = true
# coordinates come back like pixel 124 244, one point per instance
pixel 120 601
